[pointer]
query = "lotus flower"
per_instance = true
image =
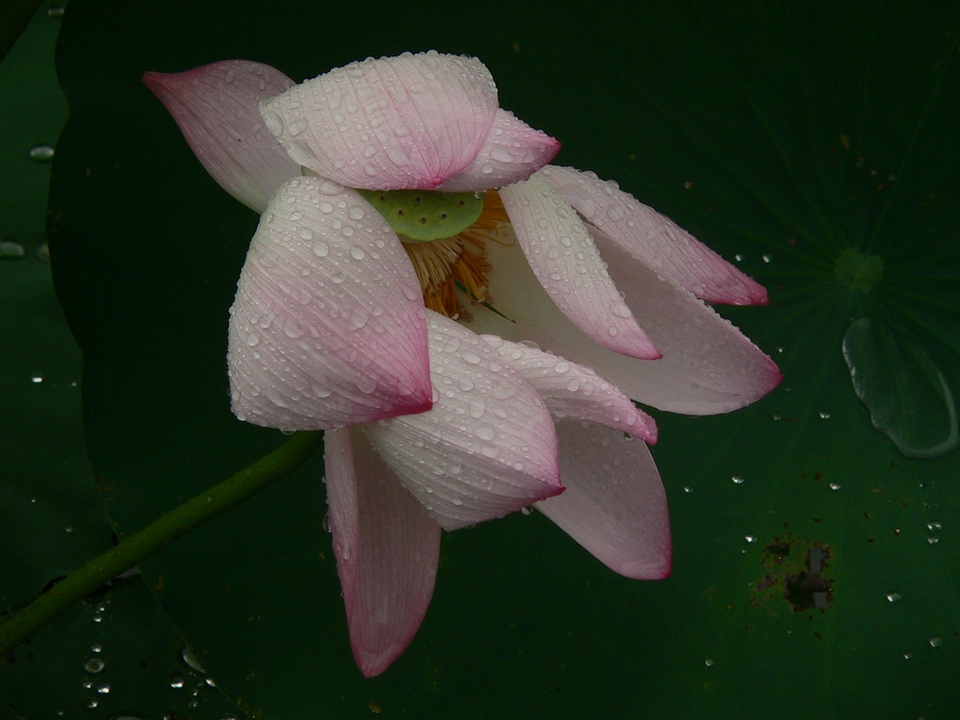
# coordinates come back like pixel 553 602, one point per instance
pixel 396 197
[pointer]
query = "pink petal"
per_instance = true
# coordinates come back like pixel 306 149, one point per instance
pixel 513 151
pixel 488 446
pixel 216 109
pixel 654 239
pixel 387 550
pixel 327 328
pixel 615 505
pixel 412 121
pixel 708 366
pixel 574 391
pixel 566 262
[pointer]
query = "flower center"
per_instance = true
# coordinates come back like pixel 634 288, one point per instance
pixel 445 236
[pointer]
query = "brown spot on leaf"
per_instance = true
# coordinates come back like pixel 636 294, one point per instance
pixel 795 570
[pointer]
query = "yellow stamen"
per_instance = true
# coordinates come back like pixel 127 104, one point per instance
pixel 459 261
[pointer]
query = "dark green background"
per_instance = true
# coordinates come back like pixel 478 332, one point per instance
pixel 778 132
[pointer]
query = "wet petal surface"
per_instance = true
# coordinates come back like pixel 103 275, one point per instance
pixel 488 445
pixel 215 107
pixel 614 504
pixel 567 264
pixel 574 391
pixel 654 239
pixel 327 328
pixel 412 121
pixel 387 550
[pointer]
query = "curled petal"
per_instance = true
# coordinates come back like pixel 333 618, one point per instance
pixel 513 151
pixel 487 448
pixel 216 109
pixel 654 239
pixel 411 121
pixel 327 328
pixel 573 391
pixel 708 366
pixel 387 550
pixel 615 505
pixel 567 264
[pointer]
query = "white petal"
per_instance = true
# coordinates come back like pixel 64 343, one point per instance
pixel 387 550
pixel 574 391
pixel 215 107
pixel 411 121
pixel 655 239
pixel 708 366
pixel 615 505
pixel 328 327
pixel 487 447
pixel 566 262
pixel 513 151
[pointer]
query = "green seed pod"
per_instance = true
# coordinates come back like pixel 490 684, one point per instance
pixel 425 215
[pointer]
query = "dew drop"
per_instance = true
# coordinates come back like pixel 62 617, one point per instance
pixel 356 252
pixel 476 408
pixel 485 433
pixel 94 665
pixel 893 597
pixel 321 249
pixel 41 153
pixel 10 250
pixel 188 657
pixel 737 480
pixel 936 641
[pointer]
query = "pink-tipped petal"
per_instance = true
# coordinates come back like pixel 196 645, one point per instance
pixel 615 505
pixel 328 327
pixel 574 391
pixel 412 121
pixel 708 366
pixel 488 446
pixel 567 264
pixel 513 151
pixel 216 107
pixel 654 239
pixel 387 550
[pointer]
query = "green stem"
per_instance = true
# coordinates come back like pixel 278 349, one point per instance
pixel 153 538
